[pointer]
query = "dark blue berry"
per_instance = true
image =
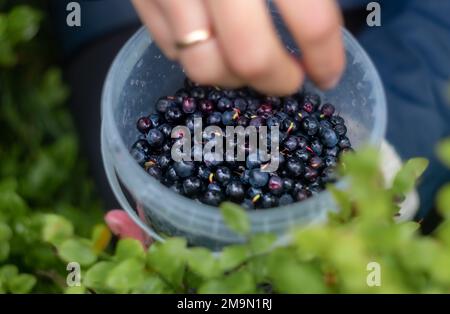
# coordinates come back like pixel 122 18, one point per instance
pixel 310 125
pixel 155 138
pixel 224 104
pixel 275 185
pixel 327 110
pixel 285 199
pixel 223 175
pixel 235 191
pixel 294 167
pixel 144 124
pixel 192 186
pixel 329 137
pixel 258 178
pixel 184 169
pixel 213 198
pixel 189 105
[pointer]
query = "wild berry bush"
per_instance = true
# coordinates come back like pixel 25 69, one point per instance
pixel 50 216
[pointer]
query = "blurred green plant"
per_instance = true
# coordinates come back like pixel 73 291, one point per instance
pixel 49 215
pixel 42 176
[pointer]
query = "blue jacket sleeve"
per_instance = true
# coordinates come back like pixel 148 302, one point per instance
pixel 412 53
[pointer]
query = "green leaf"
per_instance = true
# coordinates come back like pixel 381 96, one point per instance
pixel 232 256
pixel 169 259
pixel 152 284
pixel 235 218
pixel 73 250
pixel 443 152
pixel 127 248
pixel 95 277
pixel 202 262
pixel 262 243
pixel 7 272
pixel 75 290
pixel 4 250
pixel 406 178
pixel 290 276
pixel 235 283
pixel 126 276
pixel 23 23
pixel 5 232
pixel 56 229
pixel 443 201
pixel 22 283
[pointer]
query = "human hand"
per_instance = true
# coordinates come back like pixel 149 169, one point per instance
pixel 244 48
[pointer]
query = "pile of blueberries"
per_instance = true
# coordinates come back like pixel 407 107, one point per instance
pixel 312 137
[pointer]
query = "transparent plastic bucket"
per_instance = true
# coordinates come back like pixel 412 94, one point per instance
pixel 140 75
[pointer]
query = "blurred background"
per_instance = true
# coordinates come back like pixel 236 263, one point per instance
pixel 51 78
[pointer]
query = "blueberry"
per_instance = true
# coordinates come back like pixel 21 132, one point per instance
pixel 184 169
pixel 303 154
pixel 171 174
pixel 289 125
pixel 162 104
pixel 155 138
pixel 329 137
pixel 211 160
pixel 243 121
pixel 180 95
pixel 245 176
pixel 285 199
pixel 214 95
pixel 336 120
pixel 143 146
pixel 273 122
pixel 235 190
pixel 327 110
pixel 223 175
pixel 257 122
pixel 329 175
pixel 206 106
pixel 324 125
pixel 224 104
pixel 144 124
pixel 291 143
pixel 203 172
pixel 311 174
pixel 310 125
pixel 253 161
pixel 213 198
pixel 227 118
pixel 258 178
pixel 314 99
pixel 294 167
pixel 189 105
pixel 164 161
pixel 139 155
pixel 253 192
pixel 198 93
pixel 268 200
pixel 240 104
pixel 316 162
pixel 155 172
pixel 333 151
pixel 290 106
pixel 166 130
pixel 192 186
pixel 340 129
pixel 302 195
pixel 330 161
pixel 214 118
pixel 344 142
pixel 264 109
pixel 230 93
pixel 156 119
pixel 177 188
pixel 214 187
pixel 288 184
pixel 173 114
pixel 308 107
pixel 275 185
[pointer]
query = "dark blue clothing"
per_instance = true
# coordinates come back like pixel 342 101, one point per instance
pixel 411 51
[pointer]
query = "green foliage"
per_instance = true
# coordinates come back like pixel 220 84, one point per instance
pixel 235 218
pixel 49 215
